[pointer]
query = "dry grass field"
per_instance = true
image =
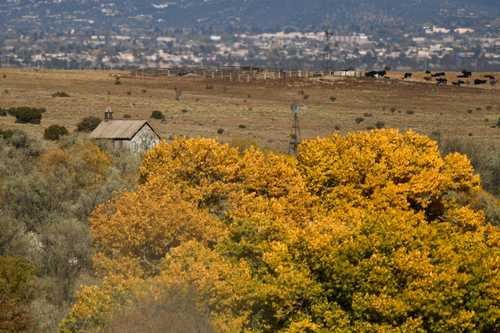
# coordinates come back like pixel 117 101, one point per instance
pixel 255 112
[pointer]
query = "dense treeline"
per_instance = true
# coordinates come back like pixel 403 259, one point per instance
pixel 374 231
pixel 46 196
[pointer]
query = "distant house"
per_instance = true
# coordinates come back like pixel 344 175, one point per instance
pixel 134 135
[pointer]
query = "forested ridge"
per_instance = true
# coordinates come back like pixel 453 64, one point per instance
pixel 369 231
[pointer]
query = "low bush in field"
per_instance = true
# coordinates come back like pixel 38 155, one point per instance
pixel 27 115
pixel 55 132
pixel 88 124
pixel 60 94
pixel 157 115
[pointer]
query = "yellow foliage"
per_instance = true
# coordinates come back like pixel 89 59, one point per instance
pixel 360 233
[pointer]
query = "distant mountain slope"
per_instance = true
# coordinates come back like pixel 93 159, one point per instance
pixel 264 14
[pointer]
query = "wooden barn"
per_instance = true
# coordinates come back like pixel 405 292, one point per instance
pixel 134 135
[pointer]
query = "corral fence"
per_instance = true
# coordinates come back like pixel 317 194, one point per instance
pixel 242 74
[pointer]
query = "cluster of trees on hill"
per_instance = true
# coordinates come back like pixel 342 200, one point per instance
pixel 46 196
pixel 373 231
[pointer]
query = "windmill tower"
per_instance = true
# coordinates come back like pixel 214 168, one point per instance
pixel 328 50
pixel 295 135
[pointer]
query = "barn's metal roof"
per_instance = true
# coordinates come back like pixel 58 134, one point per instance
pixel 118 129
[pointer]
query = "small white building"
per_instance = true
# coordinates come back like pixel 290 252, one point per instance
pixel 134 135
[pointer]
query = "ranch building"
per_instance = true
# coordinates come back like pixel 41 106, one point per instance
pixel 134 135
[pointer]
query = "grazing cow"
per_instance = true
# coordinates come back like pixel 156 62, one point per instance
pixel 479 81
pixel 441 82
pixel 458 83
pixel 465 74
pixel 427 78
pixel 491 77
pixel 376 74
pixel 407 76
pixel 438 74
pixel 427 72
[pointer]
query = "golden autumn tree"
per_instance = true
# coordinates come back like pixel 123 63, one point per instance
pixel 359 233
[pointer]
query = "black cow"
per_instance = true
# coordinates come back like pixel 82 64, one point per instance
pixel 427 72
pixel 491 77
pixel 441 82
pixel 465 74
pixel 427 78
pixel 438 74
pixel 376 74
pixel 479 81
pixel 407 76
pixel 458 83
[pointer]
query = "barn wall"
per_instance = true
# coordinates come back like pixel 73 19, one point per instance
pixel 144 140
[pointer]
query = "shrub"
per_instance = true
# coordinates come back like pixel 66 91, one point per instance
pixel 25 115
pixel 6 134
pixel 157 115
pixel 117 81
pixel 367 114
pixel 410 112
pixel 127 116
pixel 55 132
pixel 333 98
pixel 484 158
pixel 16 274
pixel 173 311
pixel 359 120
pixel 60 94
pixel 393 110
pixel 380 124
pixel 489 108
pixel 3 112
pixel 185 110
pixel 498 122
pixel 220 131
pixel 16 138
pixel 337 127
pixel 129 93
pixel 242 126
pixel 88 124
pixel 469 111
